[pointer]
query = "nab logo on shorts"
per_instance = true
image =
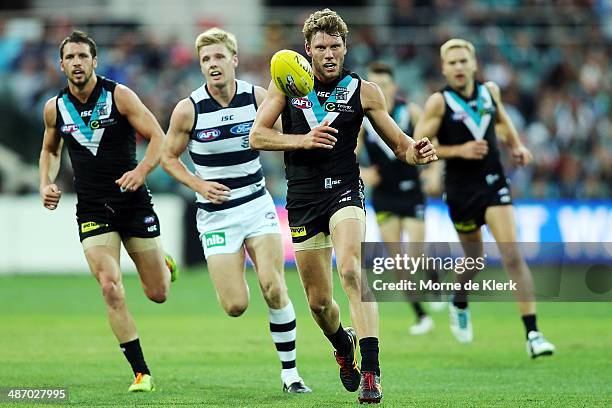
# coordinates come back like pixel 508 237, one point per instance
pixel 214 239
pixel 298 231
pixel 301 103
pixel 207 135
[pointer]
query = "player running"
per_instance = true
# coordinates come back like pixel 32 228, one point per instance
pixel 97 119
pixel 397 193
pixel 464 118
pixel 325 194
pixel 235 211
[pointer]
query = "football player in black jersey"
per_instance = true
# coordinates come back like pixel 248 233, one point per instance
pixel 97 119
pixel 397 191
pixel 325 194
pixel 465 119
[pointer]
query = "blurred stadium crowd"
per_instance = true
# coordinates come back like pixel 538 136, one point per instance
pixel 550 58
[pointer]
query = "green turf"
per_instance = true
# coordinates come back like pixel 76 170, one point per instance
pixel 54 333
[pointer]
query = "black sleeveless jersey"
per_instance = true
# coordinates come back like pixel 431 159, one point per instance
pixel 101 143
pixel 397 179
pixel 467 119
pixel 320 170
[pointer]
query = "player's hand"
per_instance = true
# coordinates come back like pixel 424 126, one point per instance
pixel 50 195
pixel 214 192
pixel 421 152
pixel 132 180
pixel 370 176
pixel 320 137
pixel 521 155
pixel 474 150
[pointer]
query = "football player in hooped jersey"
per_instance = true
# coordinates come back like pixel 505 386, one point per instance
pixel 325 193
pixel 235 211
pixel 97 119
pixel 464 118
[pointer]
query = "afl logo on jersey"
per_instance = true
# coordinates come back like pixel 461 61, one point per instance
pixel 241 128
pixel 70 128
pixel 459 116
pixel 207 135
pixel 301 103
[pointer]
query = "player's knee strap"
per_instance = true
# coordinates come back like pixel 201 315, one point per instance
pixel 318 241
pixel 346 213
pixel 136 244
pixel 108 239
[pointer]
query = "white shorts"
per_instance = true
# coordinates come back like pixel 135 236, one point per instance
pixel 224 232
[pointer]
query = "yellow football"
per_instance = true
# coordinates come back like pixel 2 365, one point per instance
pixel 291 73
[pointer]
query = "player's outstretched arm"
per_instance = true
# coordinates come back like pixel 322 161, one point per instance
pixel 175 143
pixel 429 125
pixel 50 158
pixel 404 147
pixel 143 121
pixel 264 136
pixel 505 128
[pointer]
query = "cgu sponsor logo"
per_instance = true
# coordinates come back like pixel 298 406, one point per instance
pixel 301 103
pixel 241 128
pixel 298 231
pixel 207 135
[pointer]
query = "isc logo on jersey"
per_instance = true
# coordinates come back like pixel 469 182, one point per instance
pixel 241 128
pixel 301 103
pixel 207 135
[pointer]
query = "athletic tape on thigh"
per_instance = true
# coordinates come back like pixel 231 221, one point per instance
pixel 345 213
pixel 318 241
pixel 135 244
pixel 109 239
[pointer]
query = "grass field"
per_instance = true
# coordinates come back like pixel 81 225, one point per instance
pixel 53 333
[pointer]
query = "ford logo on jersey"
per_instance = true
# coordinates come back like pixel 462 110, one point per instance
pixel 241 128
pixel 301 103
pixel 207 135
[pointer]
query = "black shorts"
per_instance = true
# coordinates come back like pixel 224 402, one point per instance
pixel 404 206
pixel 136 219
pixel 308 217
pixel 467 207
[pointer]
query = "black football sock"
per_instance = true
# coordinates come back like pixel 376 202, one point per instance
pixel 369 354
pixel 530 323
pixel 340 340
pixel 133 354
pixel 418 309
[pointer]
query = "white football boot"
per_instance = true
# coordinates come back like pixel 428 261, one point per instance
pixel 538 346
pixel 460 323
pixel 423 326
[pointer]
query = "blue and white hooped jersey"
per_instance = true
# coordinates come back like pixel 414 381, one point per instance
pixel 219 146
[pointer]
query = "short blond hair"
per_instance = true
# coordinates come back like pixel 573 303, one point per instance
pixel 457 43
pixel 217 36
pixel 327 21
